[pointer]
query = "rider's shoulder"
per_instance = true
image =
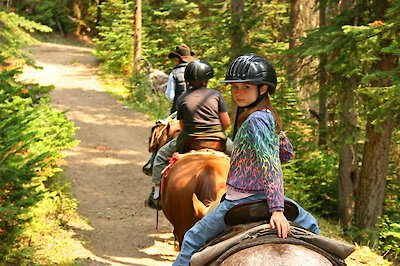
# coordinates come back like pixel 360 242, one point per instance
pixel 261 115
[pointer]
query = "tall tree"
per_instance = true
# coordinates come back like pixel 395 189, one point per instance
pixel 98 16
pixel 383 116
pixel 138 36
pixel 348 160
pixel 323 89
pixel 237 32
pixel 303 17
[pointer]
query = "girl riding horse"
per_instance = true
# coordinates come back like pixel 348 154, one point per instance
pixel 255 170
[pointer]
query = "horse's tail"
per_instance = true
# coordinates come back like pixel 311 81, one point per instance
pixel 210 185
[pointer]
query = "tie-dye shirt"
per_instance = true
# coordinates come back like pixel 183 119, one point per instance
pixel 255 163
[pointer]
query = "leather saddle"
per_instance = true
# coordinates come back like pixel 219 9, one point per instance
pixel 199 143
pixel 256 211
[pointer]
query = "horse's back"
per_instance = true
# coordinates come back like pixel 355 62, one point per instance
pixel 277 254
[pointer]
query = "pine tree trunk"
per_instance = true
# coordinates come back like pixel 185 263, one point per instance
pixel 138 36
pixel 237 33
pixel 77 15
pixel 323 90
pixel 303 17
pixel 371 191
pixel 98 19
pixel 348 163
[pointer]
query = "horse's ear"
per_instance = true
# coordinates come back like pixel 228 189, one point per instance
pixel 199 208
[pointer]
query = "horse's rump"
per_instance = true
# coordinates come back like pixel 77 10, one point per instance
pixel 255 244
pixel 195 180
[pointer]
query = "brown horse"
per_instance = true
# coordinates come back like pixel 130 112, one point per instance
pixel 161 133
pixel 193 182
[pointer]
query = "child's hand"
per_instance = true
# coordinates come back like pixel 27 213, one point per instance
pixel 279 221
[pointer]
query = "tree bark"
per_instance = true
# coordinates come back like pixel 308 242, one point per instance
pixel 138 36
pixel 323 90
pixel 348 162
pixel 303 17
pixel 237 33
pixel 76 9
pixel 371 191
pixel 98 18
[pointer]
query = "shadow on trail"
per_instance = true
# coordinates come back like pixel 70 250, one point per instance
pixel 141 255
pixel 105 169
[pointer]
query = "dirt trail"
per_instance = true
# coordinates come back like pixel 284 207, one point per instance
pixel 105 168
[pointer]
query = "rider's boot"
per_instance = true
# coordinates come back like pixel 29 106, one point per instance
pixel 154 200
pixel 148 167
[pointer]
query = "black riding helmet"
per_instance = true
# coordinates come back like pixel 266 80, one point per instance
pixel 198 70
pixel 252 69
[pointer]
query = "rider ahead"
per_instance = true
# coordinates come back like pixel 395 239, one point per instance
pixel 202 113
pixel 176 82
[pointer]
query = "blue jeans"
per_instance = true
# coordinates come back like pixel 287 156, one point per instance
pixel 213 225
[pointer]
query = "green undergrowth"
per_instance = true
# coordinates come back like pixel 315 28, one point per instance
pixel 136 94
pixel 363 255
pixel 50 238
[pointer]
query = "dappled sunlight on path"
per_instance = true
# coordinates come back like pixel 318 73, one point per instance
pixel 105 168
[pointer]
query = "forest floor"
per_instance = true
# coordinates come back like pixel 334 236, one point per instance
pixel 105 168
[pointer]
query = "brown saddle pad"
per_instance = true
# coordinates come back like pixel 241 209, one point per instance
pixel 255 211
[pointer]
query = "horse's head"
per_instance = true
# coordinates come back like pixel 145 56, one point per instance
pixel 161 133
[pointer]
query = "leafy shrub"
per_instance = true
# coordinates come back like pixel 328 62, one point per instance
pixel 112 47
pixel 32 136
pixel 14 34
pixel 155 104
pixel 389 239
pixel 54 14
pixel 311 180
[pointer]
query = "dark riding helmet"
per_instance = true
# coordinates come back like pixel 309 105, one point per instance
pixel 253 69
pixel 198 70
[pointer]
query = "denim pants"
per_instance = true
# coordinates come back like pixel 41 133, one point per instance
pixel 213 225
pixel 166 151
pixel 161 160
